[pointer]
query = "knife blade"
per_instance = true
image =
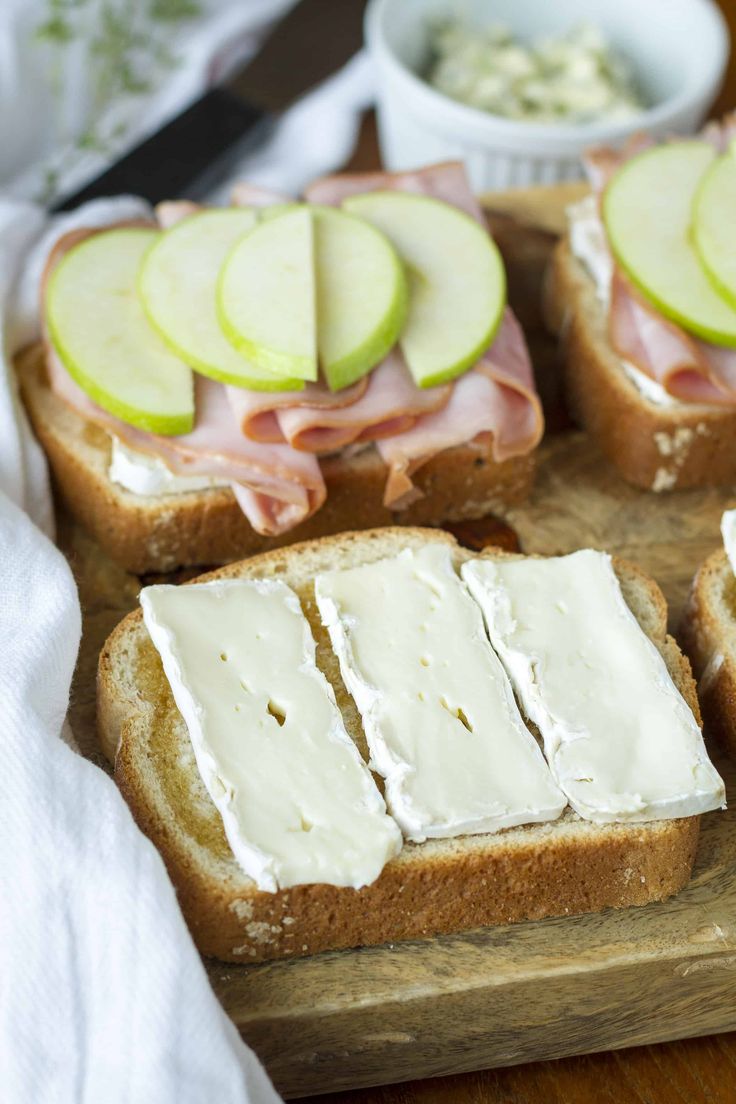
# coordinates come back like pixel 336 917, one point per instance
pixel 192 152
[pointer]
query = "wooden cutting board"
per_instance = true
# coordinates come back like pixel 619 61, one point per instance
pixel 505 995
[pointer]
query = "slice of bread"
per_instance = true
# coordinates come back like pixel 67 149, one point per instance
pixel 568 866
pixel 653 446
pixel 708 635
pixel 146 534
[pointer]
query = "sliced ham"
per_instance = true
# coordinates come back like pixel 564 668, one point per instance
pixel 382 404
pixel 601 162
pixel 244 194
pixel 447 182
pixel 720 132
pixel 257 412
pixel 496 397
pixel 689 369
pixel 171 211
pixel 276 486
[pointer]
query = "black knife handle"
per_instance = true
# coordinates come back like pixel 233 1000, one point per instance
pixel 164 165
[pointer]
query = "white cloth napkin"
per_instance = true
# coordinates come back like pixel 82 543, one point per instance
pixel 102 994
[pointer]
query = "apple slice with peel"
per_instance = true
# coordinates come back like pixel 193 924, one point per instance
pixel 714 224
pixel 647 210
pixel 457 284
pixel 266 296
pixel 177 284
pixel 100 331
pixel 362 295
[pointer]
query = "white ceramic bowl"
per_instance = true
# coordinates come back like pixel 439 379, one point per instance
pixel 679 49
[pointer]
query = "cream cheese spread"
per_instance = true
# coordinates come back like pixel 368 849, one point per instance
pixel 438 711
pixel 148 475
pixel 728 532
pixel 620 739
pixel 297 802
pixel 589 245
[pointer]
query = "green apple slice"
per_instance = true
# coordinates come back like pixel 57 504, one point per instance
pixel 177 284
pixel 100 331
pixel 456 280
pixel 266 296
pixel 714 224
pixel 362 295
pixel 647 210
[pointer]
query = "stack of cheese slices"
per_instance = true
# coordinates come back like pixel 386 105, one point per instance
pixel 643 294
pixel 377 736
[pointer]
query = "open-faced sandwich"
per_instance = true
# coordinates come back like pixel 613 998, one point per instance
pixel 708 635
pixel 642 292
pixel 215 382
pixel 380 735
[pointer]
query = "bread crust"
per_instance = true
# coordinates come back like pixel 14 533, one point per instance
pixel 208 527
pixel 707 633
pixel 568 866
pixel 655 447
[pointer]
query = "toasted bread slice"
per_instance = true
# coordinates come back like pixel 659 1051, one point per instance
pixel 653 446
pixel 164 532
pixel 708 635
pixel 568 866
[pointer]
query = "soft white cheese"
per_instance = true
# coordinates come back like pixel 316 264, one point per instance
pixel 728 532
pixel 148 475
pixel 298 803
pixel 439 714
pixel 589 245
pixel 620 739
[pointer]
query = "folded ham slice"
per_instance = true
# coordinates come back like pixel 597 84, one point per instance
pixel 257 412
pixel 496 397
pixel 689 369
pixel 171 211
pixel 244 194
pixel 601 162
pixel 276 486
pixel 317 420
pixel 447 182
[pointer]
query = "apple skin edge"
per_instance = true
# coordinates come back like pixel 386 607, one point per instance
pixel 176 423
pixel 267 356
pixel 345 372
pixel 203 367
pixel 163 425
pixel 467 362
pixel 387 211
pixel 271 360
pixel 715 337
pixel 726 290
pixel 278 383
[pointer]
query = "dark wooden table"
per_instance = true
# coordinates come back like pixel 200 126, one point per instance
pixel 692 1071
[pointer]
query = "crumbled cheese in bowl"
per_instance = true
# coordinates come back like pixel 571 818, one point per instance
pixel 574 78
